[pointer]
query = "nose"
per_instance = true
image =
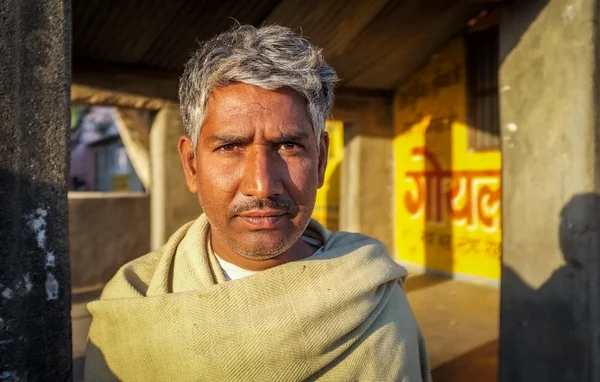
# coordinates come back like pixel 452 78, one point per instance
pixel 262 177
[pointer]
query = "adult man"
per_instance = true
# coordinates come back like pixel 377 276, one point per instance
pixel 254 289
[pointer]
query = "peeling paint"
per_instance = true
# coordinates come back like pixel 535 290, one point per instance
pixel 8 293
pixel 51 287
pixel 28 283
pixel 512 127
pixel 570 12
pixel 37 222
pixel 50 259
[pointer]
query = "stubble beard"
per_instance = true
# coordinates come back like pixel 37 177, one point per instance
pixel 275 250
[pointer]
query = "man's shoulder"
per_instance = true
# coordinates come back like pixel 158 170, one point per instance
pixel 342 243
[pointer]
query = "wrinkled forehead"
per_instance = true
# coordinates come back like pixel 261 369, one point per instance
pixel 242 106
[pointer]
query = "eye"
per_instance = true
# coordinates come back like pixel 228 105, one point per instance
pixel 228 147
pixel 289 146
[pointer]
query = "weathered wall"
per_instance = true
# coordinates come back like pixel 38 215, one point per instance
pixel 447 210
pixel 172 203
pixel 550 308
pixel 106 230
pixel 35 58
pixel 367 171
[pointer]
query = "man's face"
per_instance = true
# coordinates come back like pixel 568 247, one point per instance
pixel 257 168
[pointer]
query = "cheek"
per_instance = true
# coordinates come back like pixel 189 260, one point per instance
pixel 303 181
pixel 221 177
pixel 216 181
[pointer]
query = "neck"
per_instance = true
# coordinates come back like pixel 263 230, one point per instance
pixel 300 250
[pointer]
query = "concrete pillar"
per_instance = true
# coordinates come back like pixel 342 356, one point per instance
pixel 550 293
pixel 172 204
pixel 367 179
pixel 35 73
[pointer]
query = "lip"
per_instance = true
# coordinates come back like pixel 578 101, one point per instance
pixel 262 213
pixel 262 219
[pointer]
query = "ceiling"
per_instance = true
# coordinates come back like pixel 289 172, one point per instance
pixel 372 44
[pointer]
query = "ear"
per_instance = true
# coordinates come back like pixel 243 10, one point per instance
pixel 323 155
pixel 188 160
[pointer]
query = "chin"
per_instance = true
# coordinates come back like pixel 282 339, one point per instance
pixel 264 245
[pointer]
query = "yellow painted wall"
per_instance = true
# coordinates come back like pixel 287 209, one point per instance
pixel 447 198
pixel 327 206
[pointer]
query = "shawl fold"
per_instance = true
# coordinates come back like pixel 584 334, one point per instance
pixel 339 316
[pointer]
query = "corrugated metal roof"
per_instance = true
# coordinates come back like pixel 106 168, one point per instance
pixel 372 44
pixel 156 34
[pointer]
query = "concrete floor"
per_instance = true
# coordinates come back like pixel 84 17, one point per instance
pixel 459 321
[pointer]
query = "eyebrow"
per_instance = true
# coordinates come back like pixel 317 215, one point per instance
pixel 295 136
pixel 228 139
pixel 235 139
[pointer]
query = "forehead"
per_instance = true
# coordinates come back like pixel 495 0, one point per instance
pixel 242 105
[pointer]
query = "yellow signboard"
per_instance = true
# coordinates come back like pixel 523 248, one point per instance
pixel 447 196
pixel 327 206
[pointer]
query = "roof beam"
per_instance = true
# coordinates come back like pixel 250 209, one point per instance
pixel 89 95
pixel 123 86
pixel 143 89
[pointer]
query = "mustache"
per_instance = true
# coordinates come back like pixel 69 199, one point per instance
pixel 271 203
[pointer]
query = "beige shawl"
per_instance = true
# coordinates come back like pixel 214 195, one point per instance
pixel 338 316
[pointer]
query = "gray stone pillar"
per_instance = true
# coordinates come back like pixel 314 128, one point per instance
pixel 172 204
pixel 550 293
pixel 35 55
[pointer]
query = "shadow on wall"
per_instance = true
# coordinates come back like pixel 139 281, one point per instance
pixel 527 11
pixel 548 327
pixel 544 329
pixel 438 237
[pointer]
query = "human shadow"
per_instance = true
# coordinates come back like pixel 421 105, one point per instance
pixel 545 332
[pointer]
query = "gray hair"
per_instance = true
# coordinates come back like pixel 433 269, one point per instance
pixel 271 57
